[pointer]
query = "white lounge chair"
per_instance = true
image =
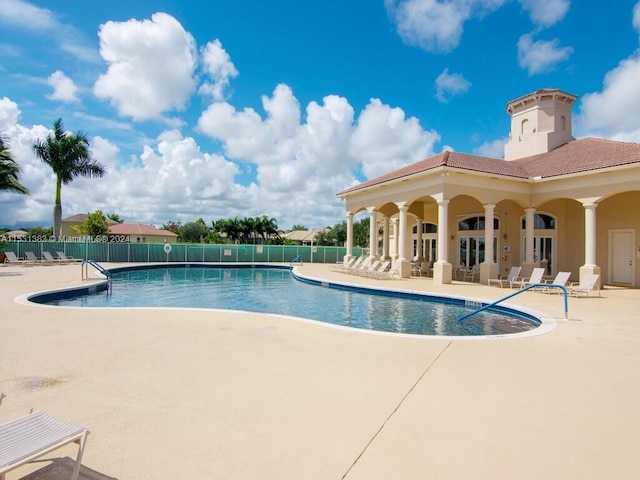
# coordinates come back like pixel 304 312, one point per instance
pixel 12 259
pixel 340 266
pixel 30 437
pixel 514 276
pixel 63 258
pixel 392 273
pixel 48 259
pixel 562 279
pixel 590 283
pixel 536 277
pixel 33 259
pixel 382 267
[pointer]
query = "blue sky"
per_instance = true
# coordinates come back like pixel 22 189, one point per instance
pixel 256 107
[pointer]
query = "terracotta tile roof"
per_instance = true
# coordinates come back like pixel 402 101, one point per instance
pixel 585 155
pixel 588 154
pixel 138 229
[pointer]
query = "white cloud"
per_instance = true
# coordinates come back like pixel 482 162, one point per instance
pixel 615 112
pixel 23 14
pixel 385 140
pixel 9 114
pixel 540 56
pixel 217 65
pixel 545 13
pixel 151 66
pixel 63 87
pixel 449 85
pixel 431 25
pixel 492 149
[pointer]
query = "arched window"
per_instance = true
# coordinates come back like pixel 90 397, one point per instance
pixel 523 126
pixel 563 123
pixel 541 221
pixel 426 228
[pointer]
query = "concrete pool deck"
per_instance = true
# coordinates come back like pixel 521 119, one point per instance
pixel 196 394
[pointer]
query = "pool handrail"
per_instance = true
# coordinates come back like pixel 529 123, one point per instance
pixel 535 285
pixel 95 265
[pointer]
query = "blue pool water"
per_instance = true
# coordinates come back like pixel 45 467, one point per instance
pixel 275 290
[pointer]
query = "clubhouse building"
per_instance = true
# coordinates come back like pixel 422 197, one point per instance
pixel 552 201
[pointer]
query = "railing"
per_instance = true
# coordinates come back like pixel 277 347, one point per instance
pixel 115 252
pixel 97 266
pixel 535 285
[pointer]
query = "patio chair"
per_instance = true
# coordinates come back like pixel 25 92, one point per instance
pixel 63 258
pixel 12 259
pixel 514 276
pixel 382 267
pixel 340 266
pixel 392 273
pixel 359 268
pixel 33 259
pixel 562 279
pixel 30 437
pixel 48 259
pixel 590 283
pixel 369 269
pixel 536 277
pixel 472 273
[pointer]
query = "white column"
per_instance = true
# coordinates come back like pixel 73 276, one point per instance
pixel 419 228
pixel 349 236
pixel 488 232
pixel 373 230
pixel 529 228
pixel 443 250
pixel 442 269
pixel 394 220
pixel 590 234
pixel 385 237
pixel 488 268
pixel 403 231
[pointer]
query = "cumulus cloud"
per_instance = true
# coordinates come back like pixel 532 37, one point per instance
pixel 492 149
pixel 540 56
pixel 431 25
pixel 385 140
pixel 64 89
pixel 545 13
pixel 151 66
pixel 437 26
pixel 218 66
pixel 615 111
pixel 449 85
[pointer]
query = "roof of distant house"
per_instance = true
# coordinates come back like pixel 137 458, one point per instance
pixel 139 229
pixel 303 235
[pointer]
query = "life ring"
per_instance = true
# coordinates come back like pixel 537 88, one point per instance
pixel 167 248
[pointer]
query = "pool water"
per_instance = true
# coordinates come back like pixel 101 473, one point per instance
pixel 275 290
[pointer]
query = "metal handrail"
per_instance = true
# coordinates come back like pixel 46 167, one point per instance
pixel 95 265
pixel 534 285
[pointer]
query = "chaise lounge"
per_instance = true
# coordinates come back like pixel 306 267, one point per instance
pixel 30 437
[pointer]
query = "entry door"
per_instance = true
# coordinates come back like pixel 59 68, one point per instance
pixel 621 259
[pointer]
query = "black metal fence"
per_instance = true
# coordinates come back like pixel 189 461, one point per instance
pixel 183 252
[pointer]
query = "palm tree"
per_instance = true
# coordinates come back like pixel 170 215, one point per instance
pixel 69 157
pixel 9 171
pixel 268 228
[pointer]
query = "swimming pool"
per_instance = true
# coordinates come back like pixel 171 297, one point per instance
pixel 276 290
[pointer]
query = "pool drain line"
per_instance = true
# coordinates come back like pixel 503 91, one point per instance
pixel 406 395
